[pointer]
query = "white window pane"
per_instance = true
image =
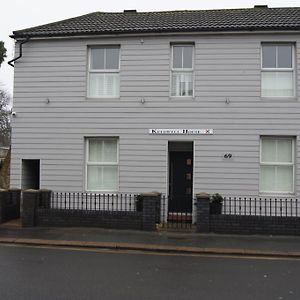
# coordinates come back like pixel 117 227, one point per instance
pixel 177 56
pixel 94 178
pixel 268 56
pixel 102 178
pixel 97 58
pixel 284 56
pixel 96 85
pixel 110 178
pixel 284 180
pixel 112 58
pixel 182 84
pixel 268 150
pixel 277 84
pixel 188 57
pixel 104 85
pixel 95 150
pixel 110 151
pixel 113 86
pixel 284 150
pixel 267 178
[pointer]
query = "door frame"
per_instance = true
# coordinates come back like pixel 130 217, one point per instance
pixel 22 174
pixel 194 211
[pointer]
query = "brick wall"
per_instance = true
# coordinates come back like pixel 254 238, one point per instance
pixel 89 218
pixel 242 224
pixel 37 211
pixel 9 204
pixel 254 224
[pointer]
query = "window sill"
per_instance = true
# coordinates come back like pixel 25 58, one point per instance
pixel 101 192
pixel 102 99
pixel 285 99
pixel 179 98
pixel 277 194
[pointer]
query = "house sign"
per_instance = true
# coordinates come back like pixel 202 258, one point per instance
pixel 181 131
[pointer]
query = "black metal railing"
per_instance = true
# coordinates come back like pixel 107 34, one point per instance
pixel 261 206
pixel 177 213
pixel 90 201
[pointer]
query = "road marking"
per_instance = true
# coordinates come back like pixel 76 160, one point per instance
pixel 132 252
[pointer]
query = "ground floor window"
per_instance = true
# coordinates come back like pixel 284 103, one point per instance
pixel 277 163
pixel 102 161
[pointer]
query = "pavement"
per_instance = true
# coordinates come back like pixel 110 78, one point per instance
pixel 159 241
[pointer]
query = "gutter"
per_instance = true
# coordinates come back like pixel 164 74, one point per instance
pixel 20 52
pixel 144 34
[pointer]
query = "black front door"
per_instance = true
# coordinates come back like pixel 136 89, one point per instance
pixel 180 182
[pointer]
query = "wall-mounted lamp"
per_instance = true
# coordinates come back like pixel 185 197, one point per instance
pixel 47 101
pixel 227 155
pixel 143 100
pixel 227 100
pixel 13 113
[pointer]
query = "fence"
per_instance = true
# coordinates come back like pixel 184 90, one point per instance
pixel 277 207
pixel 121 211
pixel 261 215
pixel 177 214
pixel 168 217
pixel 90 201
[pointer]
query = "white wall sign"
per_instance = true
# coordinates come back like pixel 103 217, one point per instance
pixel 181 131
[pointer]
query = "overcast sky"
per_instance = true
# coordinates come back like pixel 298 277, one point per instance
pixel 20 14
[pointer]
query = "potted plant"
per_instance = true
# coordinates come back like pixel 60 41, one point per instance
pixel 139 202
pixel 215 204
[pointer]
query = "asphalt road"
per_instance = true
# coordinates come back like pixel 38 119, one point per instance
pixel 43 273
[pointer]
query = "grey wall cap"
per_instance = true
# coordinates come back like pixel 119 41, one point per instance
pixel 13 189
pixel 150 194
pixel 32 191
pixel 202 195
pixel 45 190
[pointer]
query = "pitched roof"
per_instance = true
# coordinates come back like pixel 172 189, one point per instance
pixel 248 19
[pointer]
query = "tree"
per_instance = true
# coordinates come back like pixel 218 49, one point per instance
pixel 4 119
pixel 4 102
pixel 2 52
pixel 4 127
pixel 4 138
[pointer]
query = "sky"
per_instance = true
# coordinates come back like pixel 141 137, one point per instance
pixel 20 14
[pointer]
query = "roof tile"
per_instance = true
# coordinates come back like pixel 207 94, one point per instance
pixel 170 21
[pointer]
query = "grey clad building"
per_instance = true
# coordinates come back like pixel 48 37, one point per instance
pixel 177 102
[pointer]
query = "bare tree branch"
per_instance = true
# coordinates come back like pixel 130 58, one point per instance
pixel 2 52
pixel 5 128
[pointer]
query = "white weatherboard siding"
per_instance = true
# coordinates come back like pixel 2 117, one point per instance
pixel 225 67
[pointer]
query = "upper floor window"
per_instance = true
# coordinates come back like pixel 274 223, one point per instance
pixel 182 71
pixel 277 70
pixel 104 72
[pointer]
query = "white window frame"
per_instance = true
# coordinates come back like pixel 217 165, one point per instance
pixel 264 70
pixel 183 70
pixel 102 71
pixel 87 163
pixel 293 139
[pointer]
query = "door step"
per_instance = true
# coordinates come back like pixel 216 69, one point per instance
pixel 180 217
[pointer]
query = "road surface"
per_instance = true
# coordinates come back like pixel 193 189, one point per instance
pixel 55 273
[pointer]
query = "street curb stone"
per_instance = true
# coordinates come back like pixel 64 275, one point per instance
pixel 149 247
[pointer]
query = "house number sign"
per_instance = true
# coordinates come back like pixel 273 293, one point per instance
pixel 181 131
